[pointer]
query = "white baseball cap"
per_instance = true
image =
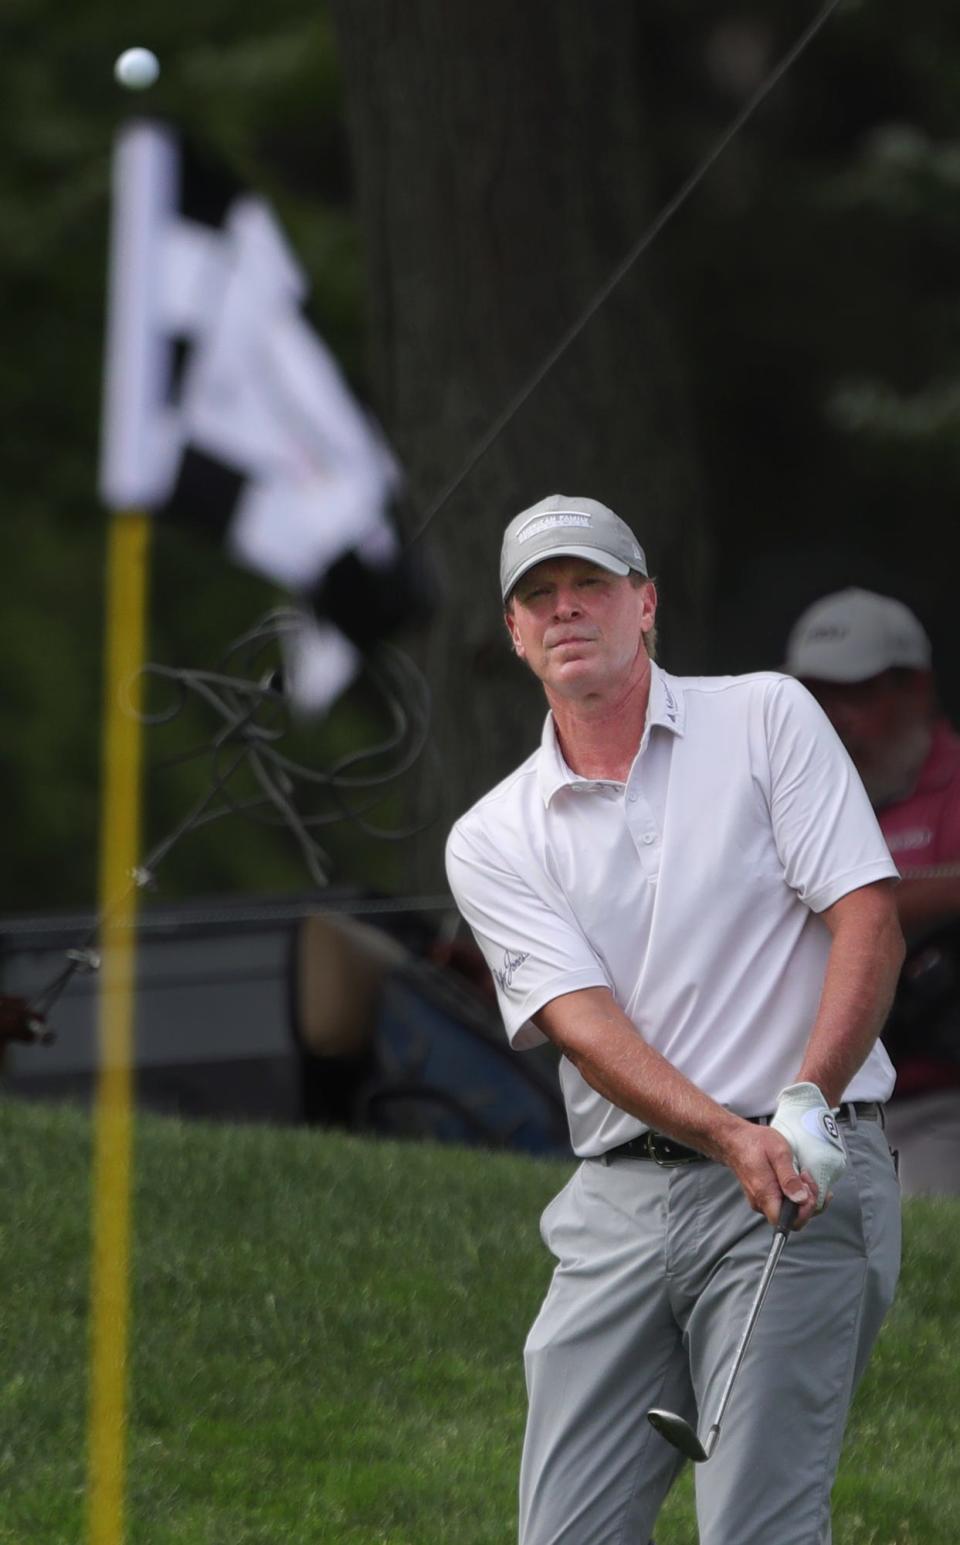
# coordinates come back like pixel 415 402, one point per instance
pixel 562 527
pixel 853 635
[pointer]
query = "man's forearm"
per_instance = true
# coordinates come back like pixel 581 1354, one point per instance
pixel 865 959
pixel 596 1036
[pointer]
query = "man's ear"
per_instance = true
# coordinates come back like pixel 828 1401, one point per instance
pixel 650 599
pixel 514 632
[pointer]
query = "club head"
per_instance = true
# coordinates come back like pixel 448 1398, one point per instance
pixel 679 1433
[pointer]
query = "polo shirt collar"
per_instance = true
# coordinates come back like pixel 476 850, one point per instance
pixel 666 705
pixel 665 708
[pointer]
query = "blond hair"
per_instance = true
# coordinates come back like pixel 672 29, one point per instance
pixel 649 639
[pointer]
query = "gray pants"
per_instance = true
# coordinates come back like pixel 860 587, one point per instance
pixel 656 1271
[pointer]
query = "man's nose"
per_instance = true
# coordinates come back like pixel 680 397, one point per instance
pixel 567 603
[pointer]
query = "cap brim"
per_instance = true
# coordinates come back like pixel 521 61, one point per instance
pixel 591 554
pixel 840 673
pixel 837 678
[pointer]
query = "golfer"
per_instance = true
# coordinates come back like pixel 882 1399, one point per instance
pixel 685 889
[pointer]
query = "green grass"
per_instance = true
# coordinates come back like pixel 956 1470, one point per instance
pixel 326 1345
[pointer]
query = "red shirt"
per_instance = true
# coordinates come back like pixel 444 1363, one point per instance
pixel 924 829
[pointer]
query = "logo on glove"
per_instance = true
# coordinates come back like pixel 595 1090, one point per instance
pixel 823 1125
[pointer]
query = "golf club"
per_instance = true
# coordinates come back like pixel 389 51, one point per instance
pixel 673 1427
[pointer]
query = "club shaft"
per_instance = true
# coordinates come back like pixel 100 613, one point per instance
pixel 787 1214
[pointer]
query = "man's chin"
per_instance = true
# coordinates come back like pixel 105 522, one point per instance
pixel 574 678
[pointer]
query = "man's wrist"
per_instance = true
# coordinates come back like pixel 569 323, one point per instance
pixel 827 1086
pixel 722 1135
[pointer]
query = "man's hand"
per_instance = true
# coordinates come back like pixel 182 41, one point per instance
pixel 763 1163
pixel 805 1119
pixel 19 1022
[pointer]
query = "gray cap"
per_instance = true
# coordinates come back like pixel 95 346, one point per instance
pixel 562 527
pixel 853 635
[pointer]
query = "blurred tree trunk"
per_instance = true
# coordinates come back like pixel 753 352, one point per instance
pixel 503 170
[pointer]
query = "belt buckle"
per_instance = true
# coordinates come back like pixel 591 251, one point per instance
pixel 652 1152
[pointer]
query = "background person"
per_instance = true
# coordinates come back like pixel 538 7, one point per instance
pixel 686 890
pixel 19 1022
pixel 867 660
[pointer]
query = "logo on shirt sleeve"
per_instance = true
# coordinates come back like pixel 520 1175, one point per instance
pixel 911 840
pixel 512 961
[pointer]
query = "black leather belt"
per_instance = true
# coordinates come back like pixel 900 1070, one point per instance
pixel 653 1145
pixel 667 1152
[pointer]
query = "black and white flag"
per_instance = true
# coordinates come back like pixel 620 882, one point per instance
pixel 223 408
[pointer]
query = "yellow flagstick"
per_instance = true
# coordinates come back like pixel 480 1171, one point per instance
pixel 119 851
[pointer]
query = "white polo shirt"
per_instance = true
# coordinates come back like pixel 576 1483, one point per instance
pixel 691 891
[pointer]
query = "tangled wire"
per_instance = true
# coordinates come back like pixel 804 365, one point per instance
pixel 252 772
pixel 256 719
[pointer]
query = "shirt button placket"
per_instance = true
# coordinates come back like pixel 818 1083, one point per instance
pixel 642 828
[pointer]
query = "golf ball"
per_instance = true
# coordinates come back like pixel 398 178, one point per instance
pixel 137 68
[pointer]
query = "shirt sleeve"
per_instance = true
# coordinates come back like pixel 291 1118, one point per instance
pixel 525 929
pixel 827 835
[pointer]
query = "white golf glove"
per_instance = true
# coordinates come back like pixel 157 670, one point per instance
pixel 805 1119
